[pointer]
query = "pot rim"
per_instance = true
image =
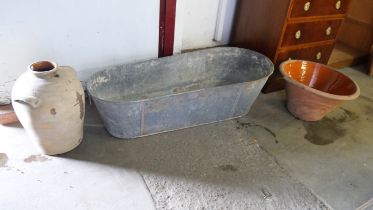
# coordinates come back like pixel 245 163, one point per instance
pixel 43 73
pixel 319 92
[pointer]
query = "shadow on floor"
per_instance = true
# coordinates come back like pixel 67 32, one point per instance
pixel 218 153
pixel 214 163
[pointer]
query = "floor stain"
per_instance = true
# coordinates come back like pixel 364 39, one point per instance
pixel 9 168
pixel 3 159
pixel 248 124
pixel 345 116
pixel 324 131
pixel 228 168
pixel 368 108
pixel 53 111
pixel 35 158
pixel 3 163
pixel 369 113
pixel 366 98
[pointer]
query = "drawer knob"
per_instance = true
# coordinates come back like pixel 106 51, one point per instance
pixel 307 6
pixel 298 34
pixel 328 31
pixel 338 5
pixel 318 56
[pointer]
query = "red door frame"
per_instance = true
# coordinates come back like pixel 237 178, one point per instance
pixel 167 14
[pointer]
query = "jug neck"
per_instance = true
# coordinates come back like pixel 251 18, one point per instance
pixel 43 69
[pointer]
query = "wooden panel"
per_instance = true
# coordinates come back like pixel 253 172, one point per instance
pixel 270 26
pixel 343 56
pixel 166 27
pixel 162 14
pixel 275 82
pixel 318 8
pixel 371 62
pixel 362 11
pixel 310 32
pixel 356 35
pixel 318 54
pixel 255 28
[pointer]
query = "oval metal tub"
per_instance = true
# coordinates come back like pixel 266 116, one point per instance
pixel 179 91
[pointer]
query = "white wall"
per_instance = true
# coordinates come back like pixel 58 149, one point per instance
pixel 86 34
pixel 197 22
pixel 92 34
pixel 179 26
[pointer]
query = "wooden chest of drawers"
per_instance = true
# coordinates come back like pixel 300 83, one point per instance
pixel 288 29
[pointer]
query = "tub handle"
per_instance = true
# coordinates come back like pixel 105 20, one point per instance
pixel 28 100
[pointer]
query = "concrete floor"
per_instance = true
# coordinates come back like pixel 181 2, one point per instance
pixel 265 160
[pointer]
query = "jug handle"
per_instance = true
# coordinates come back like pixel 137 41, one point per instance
pixel 28 100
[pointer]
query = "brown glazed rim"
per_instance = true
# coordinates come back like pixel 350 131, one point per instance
pixel 315 91
pixel 54 69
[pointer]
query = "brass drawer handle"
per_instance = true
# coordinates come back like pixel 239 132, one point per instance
pixel 338 5
pixel 298 34
pixel 307 6
pixel 328 31
pixel 318 56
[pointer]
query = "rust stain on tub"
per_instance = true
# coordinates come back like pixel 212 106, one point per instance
pixel 79 100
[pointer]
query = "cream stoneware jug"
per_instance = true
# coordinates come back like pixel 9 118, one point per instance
pixel 49 102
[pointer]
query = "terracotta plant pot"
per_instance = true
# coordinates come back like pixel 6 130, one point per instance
pixel 49 102
pixel 314 89
pixel 7 114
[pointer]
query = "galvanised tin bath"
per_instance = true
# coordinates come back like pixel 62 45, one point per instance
pixel 179 91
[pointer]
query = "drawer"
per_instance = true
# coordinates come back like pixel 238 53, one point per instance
pixel 307 8
pixel 318 54
pixel 306 32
